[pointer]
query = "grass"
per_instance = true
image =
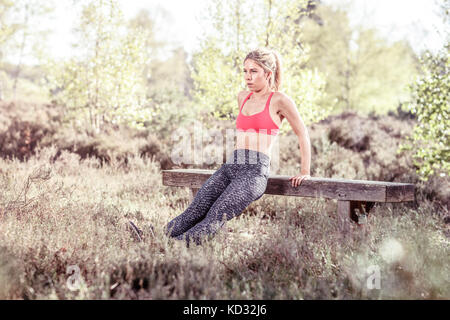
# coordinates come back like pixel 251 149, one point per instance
pixel 55 215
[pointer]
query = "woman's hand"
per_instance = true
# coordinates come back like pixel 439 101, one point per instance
pixel 297 180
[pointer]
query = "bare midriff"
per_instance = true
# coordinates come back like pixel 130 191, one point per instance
pixel 255 141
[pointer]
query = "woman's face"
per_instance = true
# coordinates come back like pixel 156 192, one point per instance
pixel 254 76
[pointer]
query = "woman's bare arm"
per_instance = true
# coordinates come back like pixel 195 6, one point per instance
pixel 289 111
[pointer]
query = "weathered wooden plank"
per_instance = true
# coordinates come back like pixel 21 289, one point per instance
pixel 328 188
pixel 400 193
pixel 341 189
pixel 192 178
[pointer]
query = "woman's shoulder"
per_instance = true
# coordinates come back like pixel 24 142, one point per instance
pixel 281 98
pixel 280 95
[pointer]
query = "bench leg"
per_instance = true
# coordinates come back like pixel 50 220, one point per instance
pixel 347 213
pixel 192 193
pixel 363 207
pixel 343 210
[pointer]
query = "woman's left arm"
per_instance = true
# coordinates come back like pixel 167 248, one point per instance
pixel 290 112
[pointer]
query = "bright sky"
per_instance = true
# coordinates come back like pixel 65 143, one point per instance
pixel 415 20
pixel 178 21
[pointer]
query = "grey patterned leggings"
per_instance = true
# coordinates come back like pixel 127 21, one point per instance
pixel 237 183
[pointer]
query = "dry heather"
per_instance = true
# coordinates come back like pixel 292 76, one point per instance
pixel 61 212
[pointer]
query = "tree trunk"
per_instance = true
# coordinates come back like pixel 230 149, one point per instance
pixel 269 21
pixel 22 49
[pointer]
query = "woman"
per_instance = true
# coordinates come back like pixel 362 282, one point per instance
pixel 243 180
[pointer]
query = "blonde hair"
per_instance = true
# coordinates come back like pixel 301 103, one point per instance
pixel 269 60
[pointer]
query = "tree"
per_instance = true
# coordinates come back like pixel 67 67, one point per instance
pixel 236 28
pixel 104 83
pixel 364 71
pixel 30 36
pixel 22 36
pixel 7 30
pixel 430 93
pixel 167 74
pixel 167 78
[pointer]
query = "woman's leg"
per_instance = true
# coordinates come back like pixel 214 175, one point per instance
pixel 203 200
pixel 236 197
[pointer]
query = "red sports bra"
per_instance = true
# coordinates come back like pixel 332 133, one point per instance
pixel 260 122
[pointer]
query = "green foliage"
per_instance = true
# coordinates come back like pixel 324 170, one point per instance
pixel 6 29
pixel 216 80
pixel 105 83
pixel 167 78
pixel 431 137
pixel 168 88
pixel 364 71
pixel 29 34
pixel 239 26
pixel 23 39
pixel 28 84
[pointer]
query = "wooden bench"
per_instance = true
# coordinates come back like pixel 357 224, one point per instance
pixel 354 198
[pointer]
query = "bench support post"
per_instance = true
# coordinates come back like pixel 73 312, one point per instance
pixel 343 211
pixel 347 213
pixel 363 207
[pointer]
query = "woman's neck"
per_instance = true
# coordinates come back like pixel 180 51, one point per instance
pixel 261 93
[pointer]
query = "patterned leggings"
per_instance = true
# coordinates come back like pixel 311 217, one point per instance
pixel 237 183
